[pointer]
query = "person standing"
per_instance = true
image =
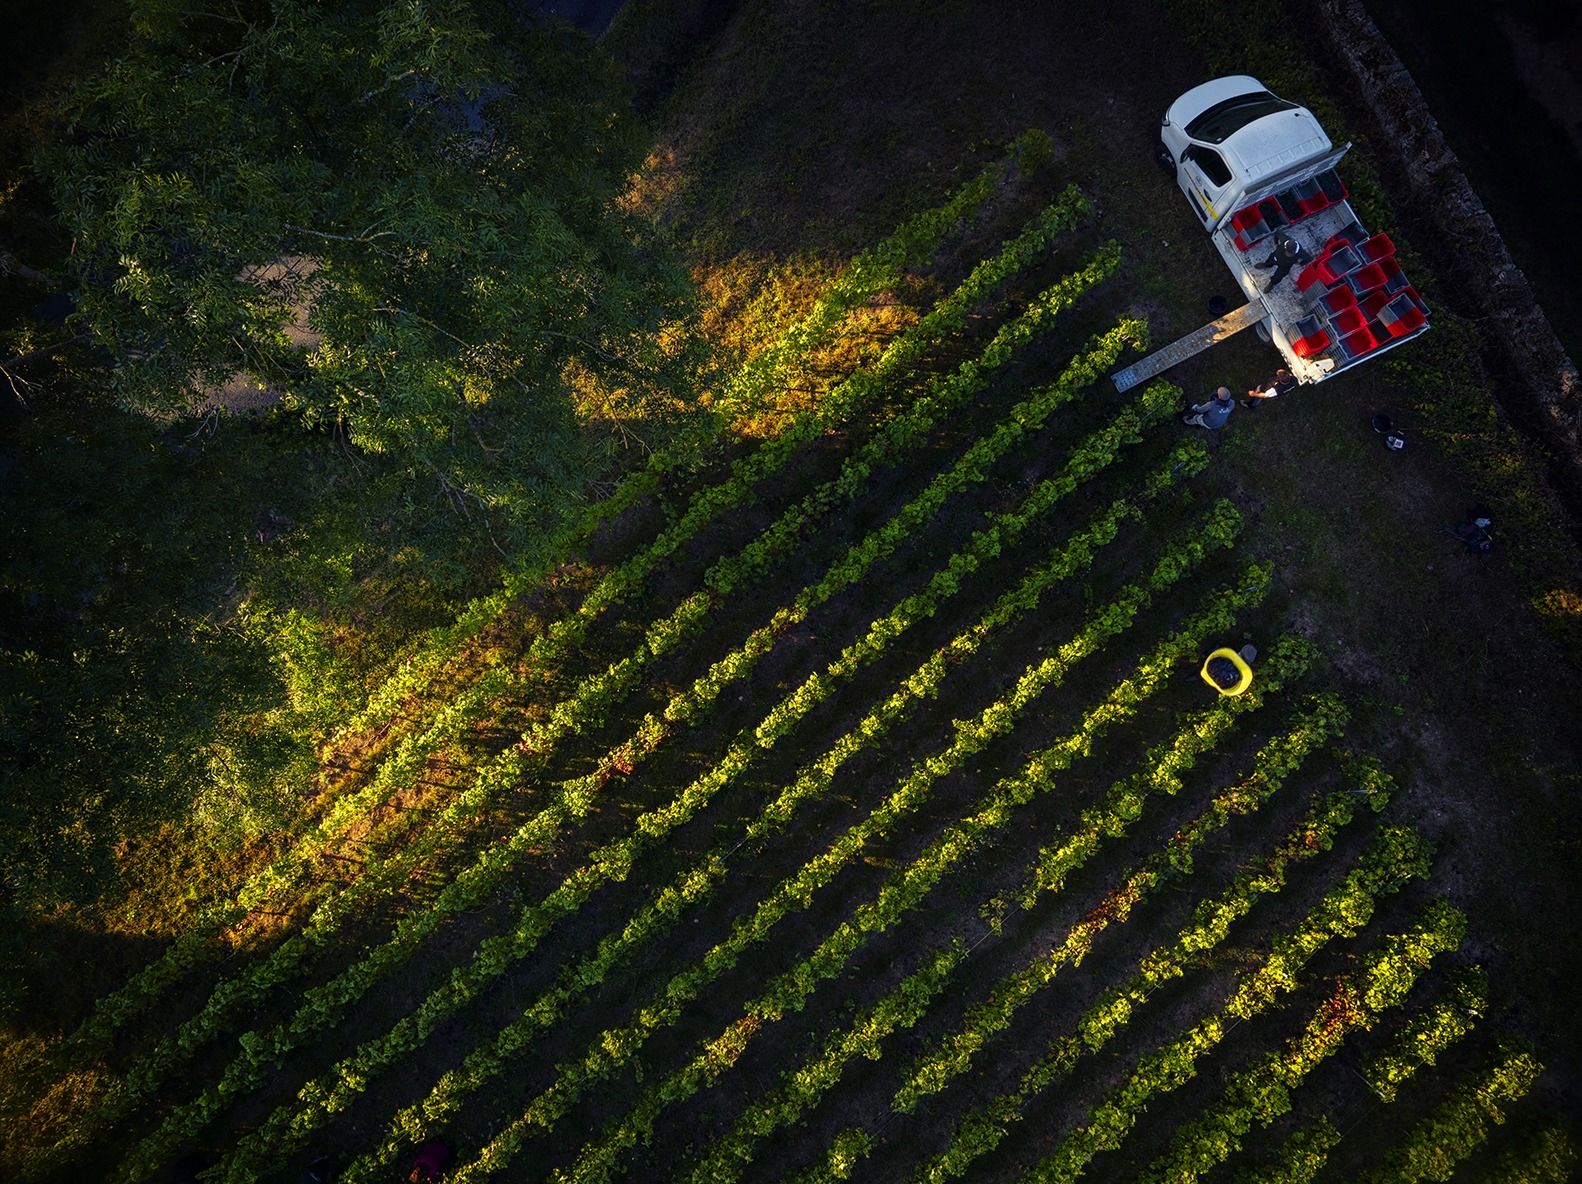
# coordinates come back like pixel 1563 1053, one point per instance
pixel 1213 413
pixel 1287 254
pixel 1269 388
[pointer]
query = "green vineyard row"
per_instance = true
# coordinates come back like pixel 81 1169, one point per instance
pixel 1436 1146
pixel 905 888
pixel 695 884
pixel 903 1007
pixel 1427 1035
pixel 1273 765
pixel 1304 1153
pixel 984 1127
pixel 1343 913
pixel 1257 1096
pixel 1548 1157
pixel 324 1005
pixel 331 916
pixel 871 272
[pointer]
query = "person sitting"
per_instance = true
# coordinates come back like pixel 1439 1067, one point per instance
pixel 1213 413
pixel 1269 388
pixel 1474 532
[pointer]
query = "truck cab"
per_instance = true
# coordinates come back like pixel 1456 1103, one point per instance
pixel 1257 170
pixel 1230 142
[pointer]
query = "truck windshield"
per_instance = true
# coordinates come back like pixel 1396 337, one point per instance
pixel 1226 118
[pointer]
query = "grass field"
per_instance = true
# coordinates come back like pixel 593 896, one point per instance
pixel 849 805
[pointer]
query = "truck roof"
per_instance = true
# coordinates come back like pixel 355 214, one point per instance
pixel 1276 142
pixel 1287 135
pixel 1205 95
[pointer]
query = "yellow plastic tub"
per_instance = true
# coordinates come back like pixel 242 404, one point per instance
pixel 1243 672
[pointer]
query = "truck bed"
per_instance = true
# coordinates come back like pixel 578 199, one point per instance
pixel 1286 305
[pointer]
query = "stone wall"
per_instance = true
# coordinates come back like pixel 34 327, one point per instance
pixel 1471 254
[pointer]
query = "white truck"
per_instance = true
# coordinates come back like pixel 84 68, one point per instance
pixel 1259 174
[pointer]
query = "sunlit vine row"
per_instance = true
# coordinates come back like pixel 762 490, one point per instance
pixel 699 881
pixel 1255 1097
pixel 1546 1157
pixel 803 1086
pixel 901 891
pixel 1272 766
pixel 1343 913
pixel 1303 1154
pixel 1427 1035
pixel 614 860
pixel 330 917
pixel 325 1004
pixel 985 1126
pixel 1437 1145
pixel 871 272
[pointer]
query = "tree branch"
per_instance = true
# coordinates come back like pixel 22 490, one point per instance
pixel 364 237
pixel 11 265
pixel 388 83
pixel 406 312
pixel 11 381
pixel 42 352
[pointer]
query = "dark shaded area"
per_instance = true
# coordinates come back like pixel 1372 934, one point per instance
pixel 657 42
pixel 591 16
pixel 1521 161
pixel 121 546
pixel 44 993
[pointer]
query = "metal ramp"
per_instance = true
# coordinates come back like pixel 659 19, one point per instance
pixel 1195 342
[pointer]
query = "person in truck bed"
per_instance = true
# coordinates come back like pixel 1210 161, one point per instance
pixel 1213 413
pixel 1286 255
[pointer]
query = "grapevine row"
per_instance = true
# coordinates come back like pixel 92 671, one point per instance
pixel 614 860
pixel 1436 1146
pixel 1547 1158
pixel 904 889
pixel 1427 1035
pixel 1300 1158
pixel 696 883
pixel 325 1004
pixel 906 431
pixel 872 271
pixel 1343 913
pixel 1305 1151
pixel 983 1129
pixel 478 882
pixel 1273 765
pixel 1257 1096
pixel 904 1006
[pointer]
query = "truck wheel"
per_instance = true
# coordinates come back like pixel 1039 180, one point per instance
pixel 1167 162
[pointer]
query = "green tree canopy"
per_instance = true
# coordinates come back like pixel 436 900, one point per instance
pixel 431 184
